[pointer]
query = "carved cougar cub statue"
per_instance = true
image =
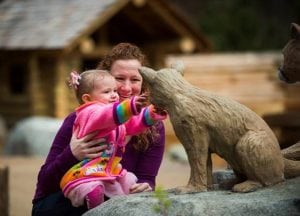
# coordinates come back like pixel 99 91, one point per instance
pixel 290 68
pixel 289 72
pixel 207 123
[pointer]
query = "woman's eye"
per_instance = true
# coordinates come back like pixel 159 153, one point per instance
pixel 136 80
pixel 119 78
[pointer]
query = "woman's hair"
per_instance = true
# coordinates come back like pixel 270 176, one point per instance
pixel 84 83
pixel 128 51
pixel 122 51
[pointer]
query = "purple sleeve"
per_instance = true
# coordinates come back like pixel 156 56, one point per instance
pixel 145 165
pixel 59 160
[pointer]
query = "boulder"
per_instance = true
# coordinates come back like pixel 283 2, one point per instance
pixel 32 136
pixel 177 153
pixel 281 200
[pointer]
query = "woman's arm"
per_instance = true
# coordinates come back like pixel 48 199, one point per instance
pixel 59 159
pixel 66 150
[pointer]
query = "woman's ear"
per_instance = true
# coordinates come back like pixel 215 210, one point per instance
pixel 86 98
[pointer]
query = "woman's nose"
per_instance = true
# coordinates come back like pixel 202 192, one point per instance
pixel 126 86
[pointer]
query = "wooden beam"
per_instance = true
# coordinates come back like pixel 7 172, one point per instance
pixel 172 44
pixel 98 52
pixel 4 188
pixel 98 22
pixel 140 22
pixel 139 3
pixel 179 23
pixel 64 99
pixel 87 45
pixel 60 89
pixel 169 19
pixel 187 45
pixel 34 87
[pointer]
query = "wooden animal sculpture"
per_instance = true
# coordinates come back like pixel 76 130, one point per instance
pixel 290 68
pixel 290 73
pixel 207 123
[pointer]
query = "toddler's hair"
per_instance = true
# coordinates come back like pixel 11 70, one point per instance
pixel 84 83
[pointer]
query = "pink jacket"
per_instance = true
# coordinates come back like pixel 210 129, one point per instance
pixel 113 122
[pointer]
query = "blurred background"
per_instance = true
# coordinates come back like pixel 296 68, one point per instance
pixel 231 47
pixel 239 25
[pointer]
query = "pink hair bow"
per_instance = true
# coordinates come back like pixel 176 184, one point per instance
pixel 74 80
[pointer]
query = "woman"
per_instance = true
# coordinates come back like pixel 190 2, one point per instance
pixel 143 153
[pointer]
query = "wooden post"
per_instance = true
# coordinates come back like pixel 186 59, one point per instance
pixel 4 196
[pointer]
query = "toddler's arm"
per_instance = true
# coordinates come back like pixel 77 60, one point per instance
pixel 105 118
pixel 147 117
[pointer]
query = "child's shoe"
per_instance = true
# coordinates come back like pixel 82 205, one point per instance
pixel 95 197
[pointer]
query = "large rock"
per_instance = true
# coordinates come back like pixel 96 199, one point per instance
pixel 281 200
pixel 32 136
pixel 177 153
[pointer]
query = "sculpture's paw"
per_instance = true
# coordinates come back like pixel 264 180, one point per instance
pixel 246 186
pixel 188 189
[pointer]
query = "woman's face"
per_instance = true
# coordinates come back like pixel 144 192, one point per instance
pixel 129 80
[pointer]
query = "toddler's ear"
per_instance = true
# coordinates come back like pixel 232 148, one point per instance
pixel 86 98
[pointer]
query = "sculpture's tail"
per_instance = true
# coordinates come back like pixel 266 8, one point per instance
pixel 292 161
pixel 292 152
pixel 291 168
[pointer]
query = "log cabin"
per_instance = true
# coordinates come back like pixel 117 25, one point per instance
pixel 42 41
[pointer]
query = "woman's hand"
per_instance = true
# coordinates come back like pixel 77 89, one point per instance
pixel 140 187
pixel 86 147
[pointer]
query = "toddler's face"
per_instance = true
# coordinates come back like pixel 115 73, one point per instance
pixel 105 90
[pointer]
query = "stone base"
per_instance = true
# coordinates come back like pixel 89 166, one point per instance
pixel 280 200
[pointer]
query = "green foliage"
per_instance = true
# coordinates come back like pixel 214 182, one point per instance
pixel 240 25
pixel 247 25
pixel 163 202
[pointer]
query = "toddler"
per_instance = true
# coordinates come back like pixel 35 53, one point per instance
pixel 100 110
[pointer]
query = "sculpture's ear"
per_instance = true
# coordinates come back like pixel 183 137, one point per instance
pixel 148 74
pixel 295 31
pixel 179 66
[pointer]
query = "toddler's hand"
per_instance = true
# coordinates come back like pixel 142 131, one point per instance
pixel 141 101
pixel 160 111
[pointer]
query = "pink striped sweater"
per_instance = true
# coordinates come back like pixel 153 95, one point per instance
pixel 113 122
